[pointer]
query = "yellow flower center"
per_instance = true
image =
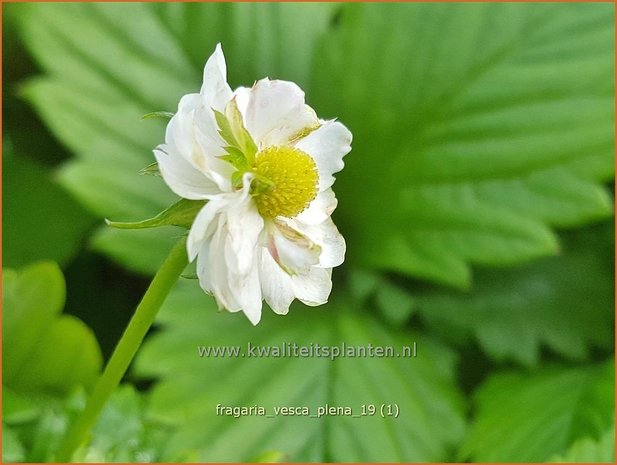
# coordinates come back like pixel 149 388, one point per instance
pixel 286 181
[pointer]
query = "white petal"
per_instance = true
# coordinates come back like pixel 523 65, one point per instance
pixel 212 269
pixel 327 236
pixel 194 123
pixel 180 125
pixel 327 145
pixel 236 205
pixel 182 177
pixel 246 289
pixel 242 96
pixel 275 110
pixel 208 131
pixel 244 226
pixel 242 252
pixel 275 285
pixel 314 287
pixel 203 267
pixel 319 209
pixel 204 225
pixel 292 250
pixel 194 132
pixel 215 90
pixel 298 121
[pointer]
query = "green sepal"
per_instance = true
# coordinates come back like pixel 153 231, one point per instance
pixel 244 140
pixel 236 179
pixel 158 114
pixel 236 157
pixel 182 213
pixel 151 170
pixel 189 276
pixel 241 146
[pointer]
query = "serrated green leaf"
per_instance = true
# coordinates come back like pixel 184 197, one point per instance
pixel 182 213
pixel 565 303
pixel 477 127
pixel 94 105
pixel 590 450
pixel 43 351
pixel 430 421
pixel 523 417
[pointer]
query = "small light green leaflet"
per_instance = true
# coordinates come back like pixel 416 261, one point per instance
pixel 43 351
pixel 429 426
pixel 527 417
pixel 564 303
pixel 273 456
pixel 590 450
pixel 95 107
pixel 182 213
pixel 12 449
pixel 478 127
pixel 121 434
pixel 17 408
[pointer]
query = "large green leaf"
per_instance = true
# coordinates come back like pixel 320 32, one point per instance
pixel 476 127
pixel 476 145
pixel 41 221
pixel 108 64
pixel 530 417
pixel 428 427
pixel 43 351
pixel 565 303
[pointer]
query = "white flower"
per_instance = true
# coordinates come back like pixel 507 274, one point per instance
pixel 264 162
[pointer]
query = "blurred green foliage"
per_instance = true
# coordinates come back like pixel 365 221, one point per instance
pixel 481 132
pixel 48 351
pixel 529 418
pixel 45 222
pixel 186 396
pixel 591 450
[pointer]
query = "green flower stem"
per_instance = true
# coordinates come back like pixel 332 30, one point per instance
pixel 132 338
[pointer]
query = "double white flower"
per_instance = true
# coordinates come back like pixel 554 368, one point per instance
pixel 264 162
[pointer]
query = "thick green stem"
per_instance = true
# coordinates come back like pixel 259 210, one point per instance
pixel 125 350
